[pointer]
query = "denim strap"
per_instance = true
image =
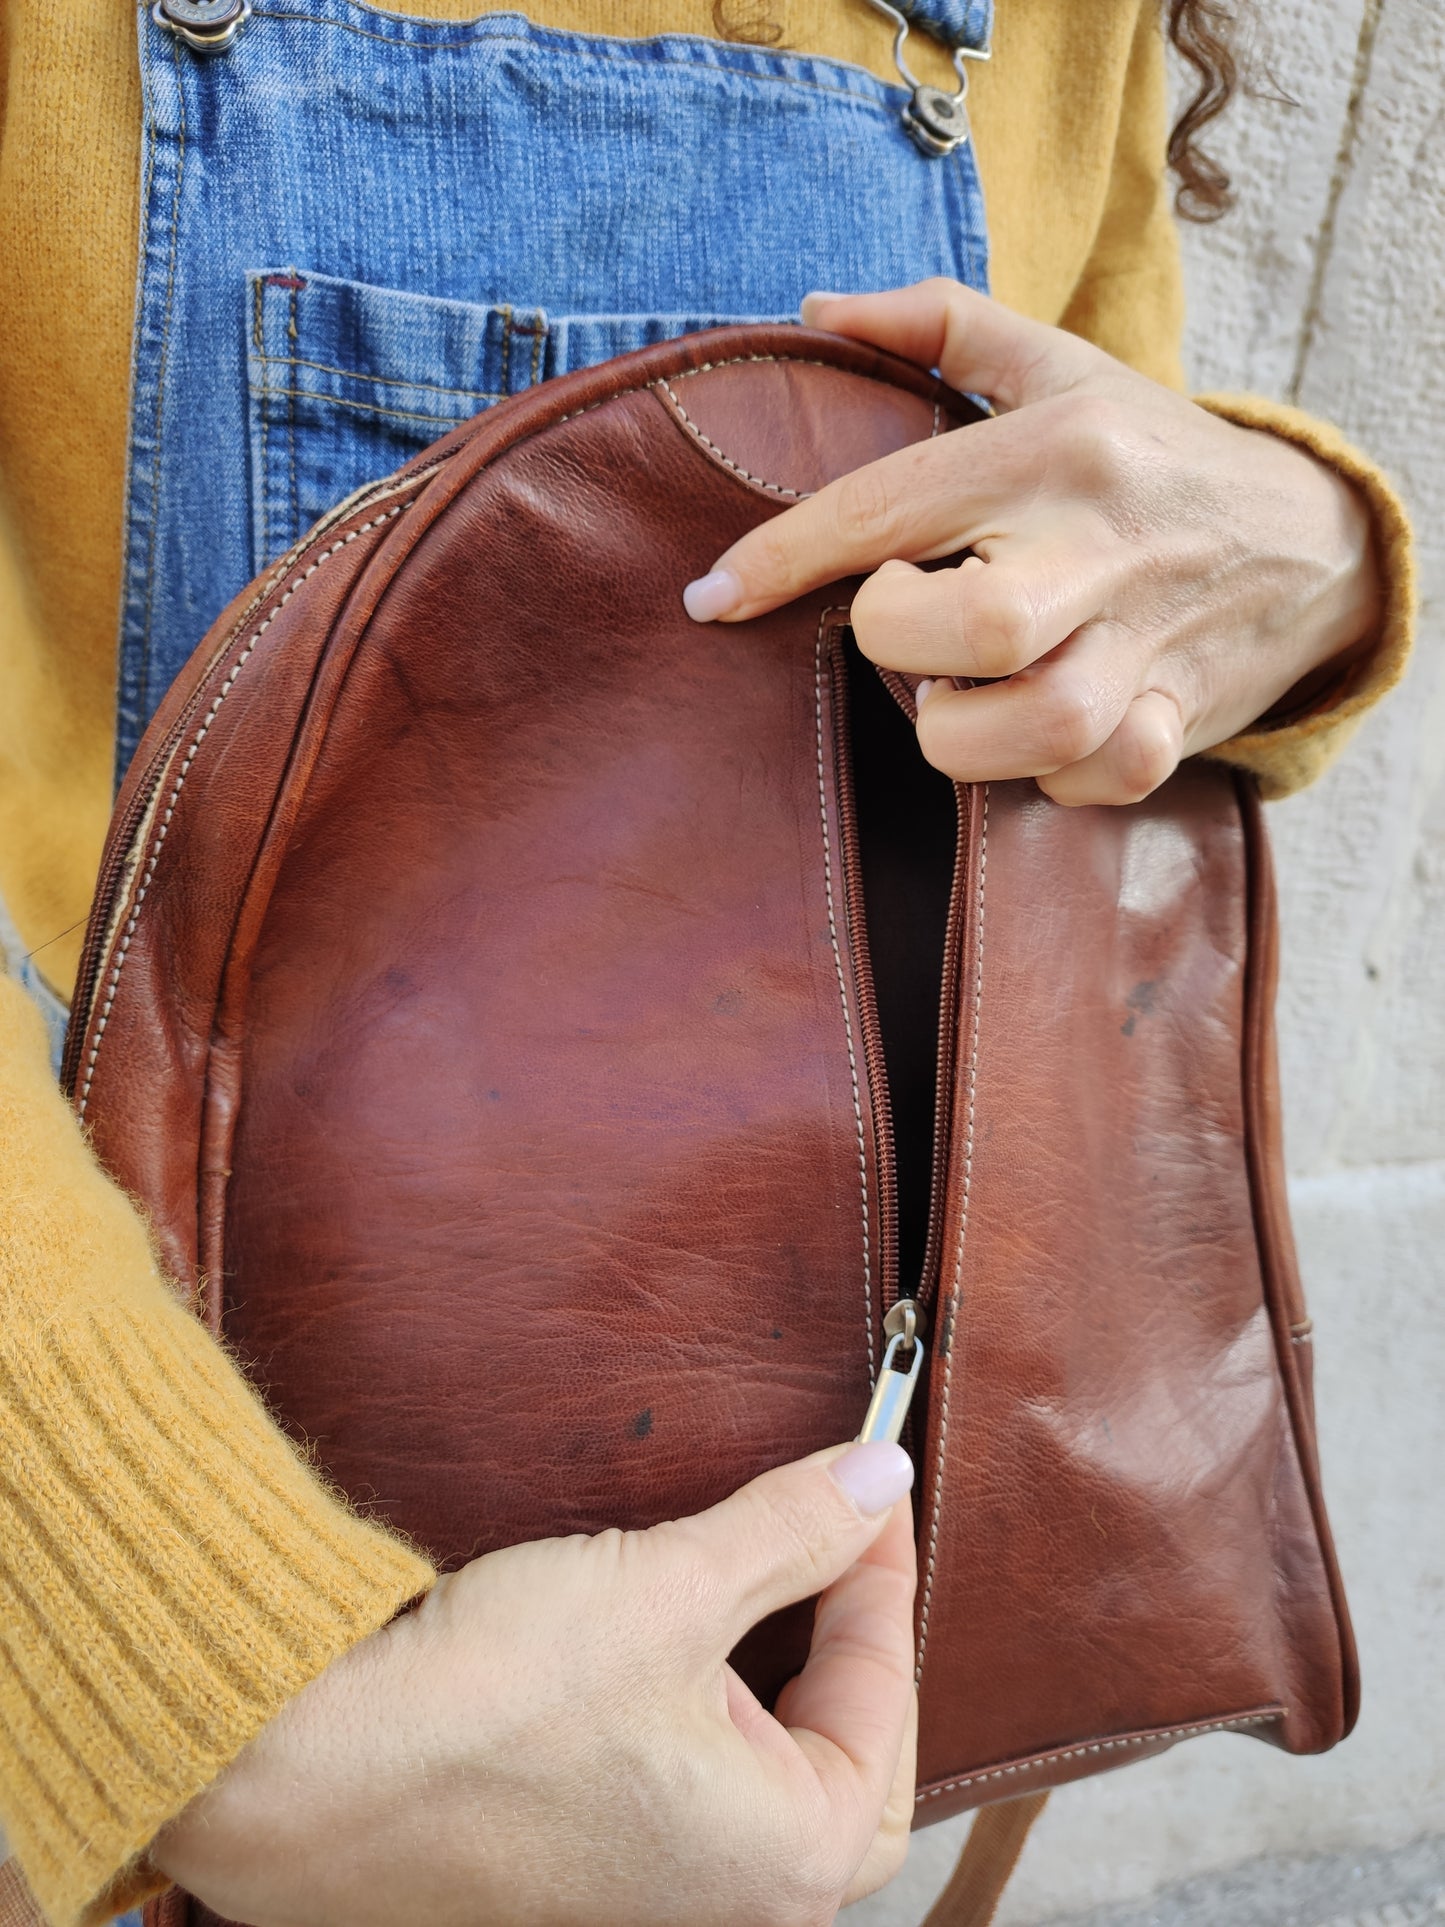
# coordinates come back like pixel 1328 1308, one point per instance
pixel 361 227
pixel 957 23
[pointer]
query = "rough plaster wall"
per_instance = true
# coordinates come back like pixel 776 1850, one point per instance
pixel 1327 286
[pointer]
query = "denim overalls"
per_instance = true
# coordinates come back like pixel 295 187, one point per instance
pixel 359 228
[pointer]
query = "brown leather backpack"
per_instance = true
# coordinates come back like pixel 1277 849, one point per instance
pixel 551 1035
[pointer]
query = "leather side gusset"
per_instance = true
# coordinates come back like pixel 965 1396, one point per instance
pixel 1279 1263
pixel 1056 1766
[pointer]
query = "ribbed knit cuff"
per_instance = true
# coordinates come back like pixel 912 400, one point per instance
pixel 173 1572
pixel 1292 754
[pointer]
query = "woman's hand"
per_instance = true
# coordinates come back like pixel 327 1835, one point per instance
pixel 555 1735
pixel 1145 578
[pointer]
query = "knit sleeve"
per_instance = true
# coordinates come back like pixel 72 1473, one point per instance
pixel 1287 753
pixel 171 1569
pixel 1129 301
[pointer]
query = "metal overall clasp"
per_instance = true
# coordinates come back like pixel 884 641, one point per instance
pixel 936 121
pixel 207 25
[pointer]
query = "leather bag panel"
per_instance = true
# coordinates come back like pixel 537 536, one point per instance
pixel 547 1164
pixel 1110 1457
pixel 488 1026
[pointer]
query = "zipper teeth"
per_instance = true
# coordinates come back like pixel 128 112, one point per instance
pixel 115 865
pixel 927 1289
pixel 115 861
pixel 947 1059
pixel 869 1028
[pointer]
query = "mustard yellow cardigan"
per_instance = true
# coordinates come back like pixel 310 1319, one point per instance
pixel 171 1571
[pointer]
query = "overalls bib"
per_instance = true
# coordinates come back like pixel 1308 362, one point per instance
pixel 360 228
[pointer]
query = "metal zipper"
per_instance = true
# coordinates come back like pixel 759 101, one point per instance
pixel 116 866
pixel 944 1066
pixel 120 855
pixel 870 1031
pixel 905 1318
pixel 898 1374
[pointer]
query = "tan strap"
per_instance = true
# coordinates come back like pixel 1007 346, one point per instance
pixel 990 1854
pixel 17 1909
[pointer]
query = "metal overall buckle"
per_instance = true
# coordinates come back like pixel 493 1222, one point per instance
pixel 937 122
pixel 207 25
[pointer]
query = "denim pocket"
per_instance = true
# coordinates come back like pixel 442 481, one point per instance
pixel 348 381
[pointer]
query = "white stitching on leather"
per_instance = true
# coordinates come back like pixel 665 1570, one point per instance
pixel 1100 1746
pixel 773 488
pixel 703 368
pixel 950 1324
pixel 843 988
pixel 190 756
pixel 733 361
pixel 706 368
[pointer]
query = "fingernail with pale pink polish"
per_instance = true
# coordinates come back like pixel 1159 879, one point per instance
pixel 921 694
pixel 875 1476
pixel 712 595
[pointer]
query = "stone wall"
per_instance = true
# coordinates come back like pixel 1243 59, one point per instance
pixel 1327 287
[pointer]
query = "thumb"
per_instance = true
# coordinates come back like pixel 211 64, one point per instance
pixel 790 1533
pixel 975 343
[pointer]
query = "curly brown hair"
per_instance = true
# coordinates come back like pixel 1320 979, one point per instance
pixel 1202 33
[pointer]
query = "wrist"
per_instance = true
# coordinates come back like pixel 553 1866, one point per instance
pixel 1344 612
pixel 1351 611
pixel 1335 532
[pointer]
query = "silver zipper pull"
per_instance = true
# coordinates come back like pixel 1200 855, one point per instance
pixel 897 1375
pixel 207 25
pixel 937 122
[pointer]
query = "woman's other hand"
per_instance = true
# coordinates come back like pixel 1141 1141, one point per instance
pixel 1145 578
pixel 555 1735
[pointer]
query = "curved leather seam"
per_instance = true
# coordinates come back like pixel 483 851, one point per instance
pixel 703 368
pixel 369 495
pixel 823 623
pixel 403 477
pixel 167 812
pixel 1155 1736
pixel 1138 1740
pixel 926 389
pixel 1275 1255
pixel 718 455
